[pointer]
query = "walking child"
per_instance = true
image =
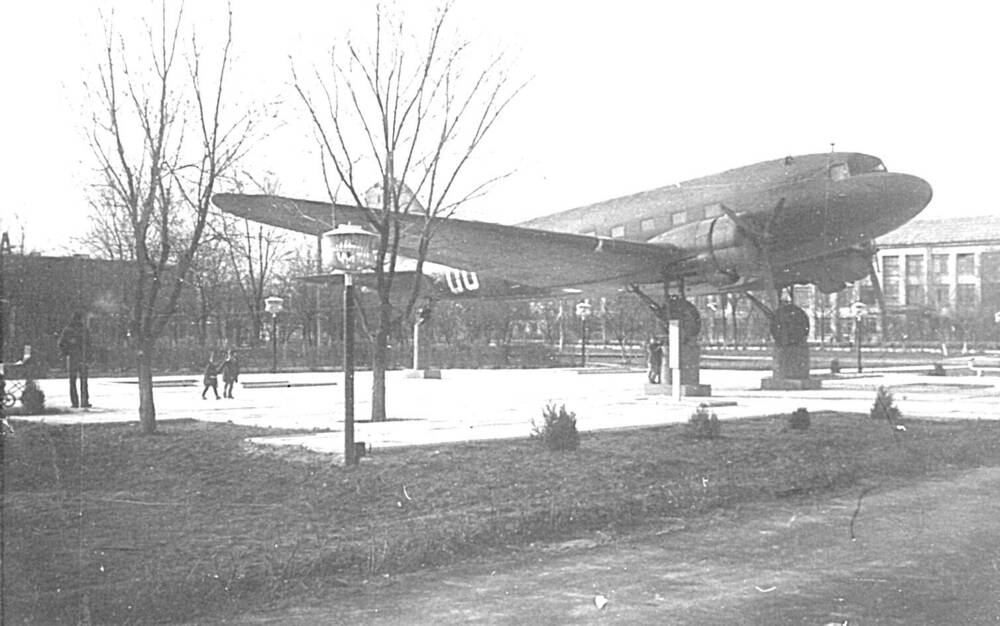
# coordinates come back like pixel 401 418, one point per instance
pixel 230 369
pixel 211 379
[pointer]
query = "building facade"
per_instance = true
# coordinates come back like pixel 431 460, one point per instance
pixel 941 279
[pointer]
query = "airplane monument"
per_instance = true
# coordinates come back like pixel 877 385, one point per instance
pixel 760 228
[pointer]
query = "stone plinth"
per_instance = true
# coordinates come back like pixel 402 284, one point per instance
pixel 790 369
pixel 790 384
pixel 696 389
pixel 430 372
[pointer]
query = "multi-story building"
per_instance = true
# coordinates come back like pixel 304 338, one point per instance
pixel 941 278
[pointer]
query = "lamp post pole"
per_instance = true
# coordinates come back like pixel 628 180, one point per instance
pixel 274 305
pixel 352 250
pixel 859 309
pixel 583 312
pixel 274 343
pixel 350 455
pixel 857 338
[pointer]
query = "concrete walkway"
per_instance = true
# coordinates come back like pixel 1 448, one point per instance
pixel 493 404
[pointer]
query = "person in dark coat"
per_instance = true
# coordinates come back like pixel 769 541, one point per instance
pixel 654 360
pixel 74 344
pixel 230 370
pixel 210 379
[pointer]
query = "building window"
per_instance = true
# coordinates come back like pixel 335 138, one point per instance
pixel 965 264
pixel 890 279
pixel 617 232
pixel 866 293
pixel 915 294
pixel 914 268
pixel 965 298
pixel 989 267
pixel 890 267
pixel 647 225
pixel 939 296
pixel 939 268
pixel 678 218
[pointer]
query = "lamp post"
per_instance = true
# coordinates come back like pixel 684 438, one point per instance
pixel 583 312
pixel 859 309
pixel 274 305
pixel 352 250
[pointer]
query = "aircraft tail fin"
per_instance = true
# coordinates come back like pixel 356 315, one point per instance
pixel 408 201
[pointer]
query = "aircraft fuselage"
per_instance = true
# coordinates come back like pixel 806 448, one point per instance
pixel 805 207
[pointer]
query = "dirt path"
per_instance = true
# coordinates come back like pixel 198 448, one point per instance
pixel 923 554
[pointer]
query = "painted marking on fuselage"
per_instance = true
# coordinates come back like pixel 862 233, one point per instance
pixel 461 281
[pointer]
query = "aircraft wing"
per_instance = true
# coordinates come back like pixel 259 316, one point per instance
pixel 528 256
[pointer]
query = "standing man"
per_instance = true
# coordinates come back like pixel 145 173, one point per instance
pixel 654 360
pixel 74 343
pixel 230 370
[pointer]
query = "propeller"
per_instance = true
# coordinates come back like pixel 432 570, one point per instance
pixel 760 238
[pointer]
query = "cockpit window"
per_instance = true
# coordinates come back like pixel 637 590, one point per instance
pixel 839 171
pixel 865 164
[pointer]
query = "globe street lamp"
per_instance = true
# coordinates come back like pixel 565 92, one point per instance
pixel 274 305
pixel 352 250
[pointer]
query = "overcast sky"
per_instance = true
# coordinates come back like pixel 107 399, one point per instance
pixel 623 96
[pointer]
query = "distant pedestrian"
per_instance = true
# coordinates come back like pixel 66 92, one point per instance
pixel 210 380
pixel 654 360
pixel 74 344
pixel 230 370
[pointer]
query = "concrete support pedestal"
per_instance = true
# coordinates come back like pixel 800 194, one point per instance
pixel 682 368
pixel 698 390
pixel 790 369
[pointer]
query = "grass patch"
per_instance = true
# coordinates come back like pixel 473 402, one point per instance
pixel 105 524
pixel 19 410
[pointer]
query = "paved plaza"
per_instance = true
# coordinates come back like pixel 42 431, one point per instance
pixel 468 405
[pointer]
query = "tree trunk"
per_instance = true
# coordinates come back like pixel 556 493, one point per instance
pixel 147 410
pixel 380 356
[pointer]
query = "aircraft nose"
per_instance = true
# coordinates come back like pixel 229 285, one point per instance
pixel 910 194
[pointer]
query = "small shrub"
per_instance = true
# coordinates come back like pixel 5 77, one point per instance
pixel 883 408
pixel 834 366
pixel 703 424
pixel 938 370
pixel 32 398
pixel 799 419
pixel 558 428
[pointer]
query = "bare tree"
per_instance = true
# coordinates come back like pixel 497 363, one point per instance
pixel 162 141
pixel 408 113
pixel 211 278
pixel 107 236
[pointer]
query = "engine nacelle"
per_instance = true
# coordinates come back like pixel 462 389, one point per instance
pixel 829 273
pixel 720 252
